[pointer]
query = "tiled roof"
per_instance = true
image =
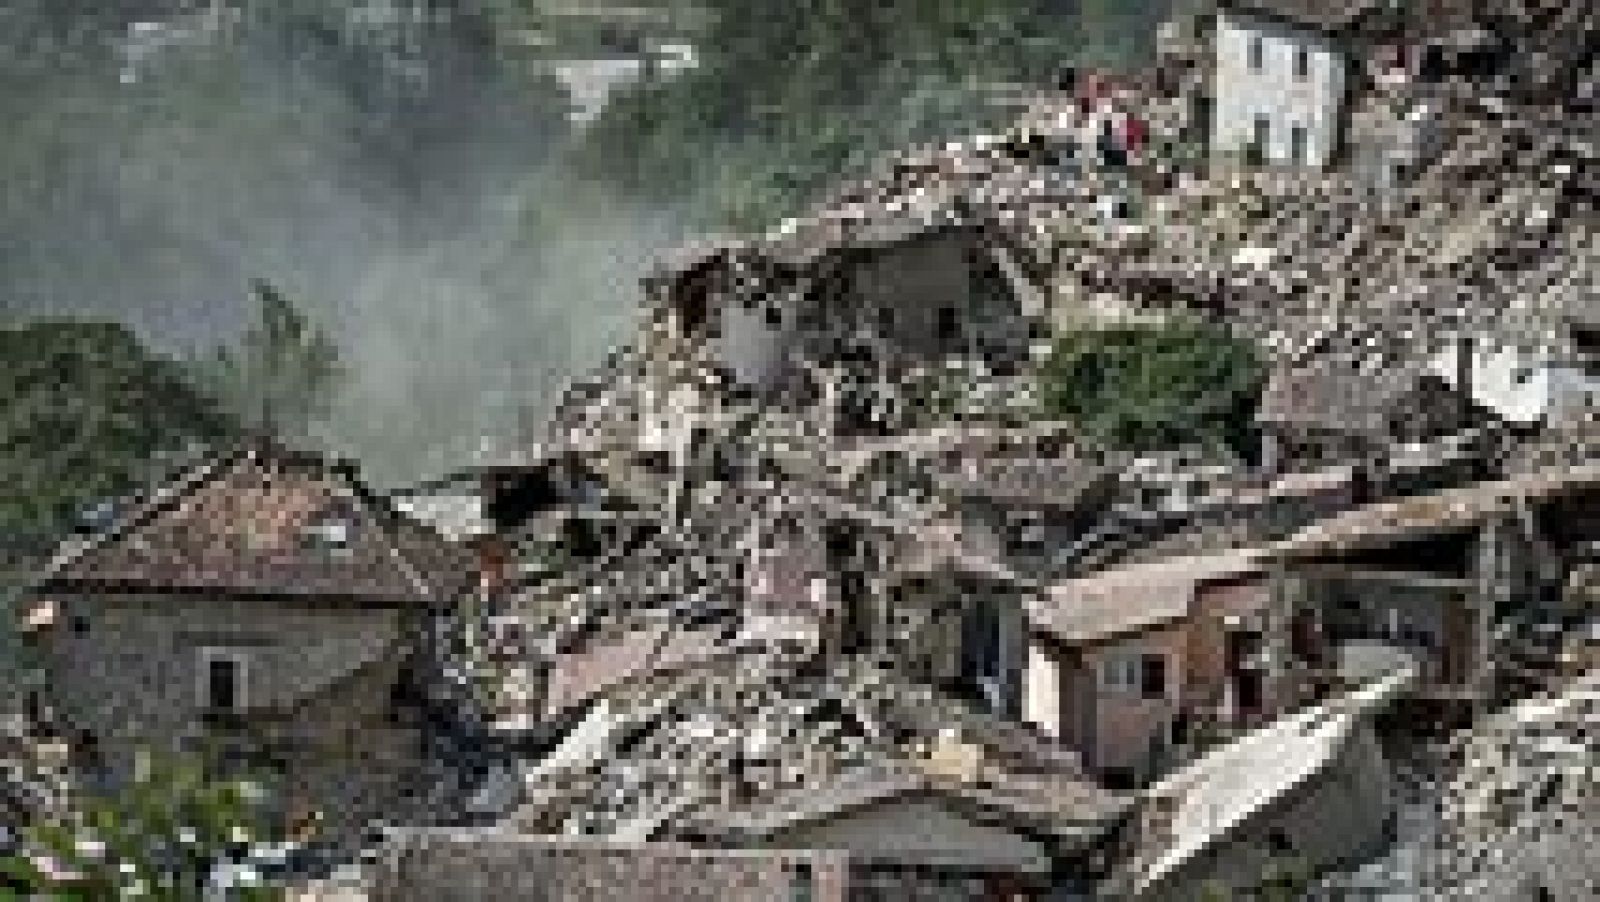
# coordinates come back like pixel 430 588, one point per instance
pixel 1129 599
pixel 1329 15
pixel 261 520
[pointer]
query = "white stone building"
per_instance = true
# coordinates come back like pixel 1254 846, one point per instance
pixel 1281 81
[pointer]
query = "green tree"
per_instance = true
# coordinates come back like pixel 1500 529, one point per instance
pixel 159 837
pixel 789 96
pixel 86 413
pixel 1284 878
pixel 1153 387
pixel 282 375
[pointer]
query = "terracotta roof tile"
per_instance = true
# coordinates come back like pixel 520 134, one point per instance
pixel 261 520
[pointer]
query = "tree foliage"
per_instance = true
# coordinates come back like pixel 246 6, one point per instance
pixel 162 836
pixel 88 413
pixel 1154 387
pixel 282 375
pixel 789 96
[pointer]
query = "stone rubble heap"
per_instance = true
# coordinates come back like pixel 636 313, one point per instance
pixel 1520 816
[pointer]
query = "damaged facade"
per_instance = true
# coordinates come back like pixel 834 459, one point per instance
pixel 264 606
pixel 801 596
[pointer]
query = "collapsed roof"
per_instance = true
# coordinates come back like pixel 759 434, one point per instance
pixel 722 748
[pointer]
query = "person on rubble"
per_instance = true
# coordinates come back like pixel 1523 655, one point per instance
pixel 1134 135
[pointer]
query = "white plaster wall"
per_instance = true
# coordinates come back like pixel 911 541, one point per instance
pixel 1337 816
pixel 1242 94
pixel 1041 695
pixel 1523 386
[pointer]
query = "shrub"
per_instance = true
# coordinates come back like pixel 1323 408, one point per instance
pixel 1148 388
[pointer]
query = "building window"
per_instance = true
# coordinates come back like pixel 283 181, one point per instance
pixel 1120 672
pixel 1256 53
pixel 1586 347
pixel 1256 154
pixel 801 885
pixel 1297 144
pixel 331 534
pixel 222 673
pixel 1302 64
pixel 1153 676
pixel 948 328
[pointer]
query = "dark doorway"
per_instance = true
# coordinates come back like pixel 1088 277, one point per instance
pixel 222 684
pixel 947 330
pixel 1153 676
pixel 844 561
pixel 1247 683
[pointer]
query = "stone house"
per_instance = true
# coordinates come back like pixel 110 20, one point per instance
pixel 1298 82
pixel 908 272
pixel 947 826
pixel 264 606
pixel 447 865
pixel 925 831
pixel 1129 666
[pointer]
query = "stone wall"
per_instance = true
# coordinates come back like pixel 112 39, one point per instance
pixel 441 866
pixel 315 699
pixel 131 667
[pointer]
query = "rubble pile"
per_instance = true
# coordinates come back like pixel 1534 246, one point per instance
pixel 1518 818
pixel 36 782
pixel 731 735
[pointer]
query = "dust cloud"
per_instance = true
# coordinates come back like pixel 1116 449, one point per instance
pixel 401 180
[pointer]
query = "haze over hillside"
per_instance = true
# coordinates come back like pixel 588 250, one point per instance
pixel 408 179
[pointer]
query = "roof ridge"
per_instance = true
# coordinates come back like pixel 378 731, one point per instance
pixel 159 499
pixel 390 522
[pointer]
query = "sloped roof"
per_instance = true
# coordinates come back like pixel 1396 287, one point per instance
pixel 1434 514
pixel 1327 15
pixel 1069 809
pixel 1226 790
pixel 1344 392
pixel 1134 598
pixel 262 520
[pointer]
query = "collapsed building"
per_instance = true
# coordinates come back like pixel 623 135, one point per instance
pixel 800 596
